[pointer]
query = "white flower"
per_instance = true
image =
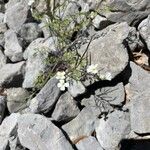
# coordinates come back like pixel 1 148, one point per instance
pixel 92 69
pixel 60 75
pixel 62 85
pixel 108 76
pixel 30 2
pixel 102 76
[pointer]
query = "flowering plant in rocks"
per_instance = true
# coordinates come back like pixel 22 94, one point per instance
pixel 67 63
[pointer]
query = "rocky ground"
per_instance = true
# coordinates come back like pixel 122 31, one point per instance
pixel 105 115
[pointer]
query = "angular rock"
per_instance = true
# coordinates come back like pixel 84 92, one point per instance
pixel 144 29
pixel 100 22
pixel 17 13
pixel 37 132
pixel 111 131
pixel 46 98
pixel 109 51
pixel 65 109
pixel 83 125
pixel 2 107
pixel 13 48
pixel 76 88
pixel 2 15
pixel 139 88
pixel 2 40
pixel 16 99
pixel 11 3
pixel 7 129
pixel 36 54
pixel 30 31
pixel 3 28
pixel 97 103
pixel 130 11
pixel 139 80
pixel 114 95
pixel 88 5
pixel 88 143
pixel 11 74
pixel 133 40
pixel 139 110
pixel 45 29
pixel 2 59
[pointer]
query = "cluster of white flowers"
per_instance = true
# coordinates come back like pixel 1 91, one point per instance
pixel 61 77
pixel 30 2
pixel 93 69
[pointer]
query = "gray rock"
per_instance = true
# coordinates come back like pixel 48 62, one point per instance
pixel 16 99
pixel 2 107
pixel 30 31
pixel 2 40
pixel 16 14
pixel 3 28
pixel 130 11
pixel 111 131
pixel 114 95
pixel 97 103
pixel 37 132
pixel 88 143
pixel 108 51
pixel 83 125
pixel 139 80
pixel 13 49
pixel 65 109
pixel 11 3
pixel 46 98
pixel 144 29
pixel 139 99
pixel 41 6
pixel 76 88
pixel 133 40
pixel 36 54
pixel 2 15
pixel 11 74
pixel 45 29
pixel 100 22
pixel 2 59
pixel 7 128
pixel 88 5
pixel 139 110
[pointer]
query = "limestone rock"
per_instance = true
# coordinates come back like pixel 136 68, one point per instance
pixel 112 130
pixel 65 109
pixel 88 143
pixel 37 132
pixel 13 48
pixel 46 98
pixel 83 125
pixel 2 59
pixel 76 88
pixel 2 107
pixel 144 29
pixel 36 54
pixel 16 99
pixel 109 51
pixel 7 128
pixel 30 31
pixel 17 13
pixel 11 74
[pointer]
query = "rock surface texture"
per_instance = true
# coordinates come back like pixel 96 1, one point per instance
pixel 79 85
